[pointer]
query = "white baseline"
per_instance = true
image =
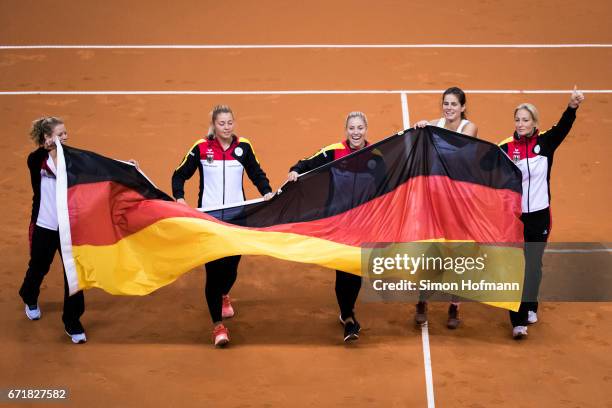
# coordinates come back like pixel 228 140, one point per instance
pixel 306 92
pixel 285 46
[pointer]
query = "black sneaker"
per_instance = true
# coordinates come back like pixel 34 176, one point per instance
pixel 453 317
pixel 420 316
pixel 351 329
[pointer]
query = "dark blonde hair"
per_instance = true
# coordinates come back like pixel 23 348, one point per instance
pixel 533 111
pixel 356 114
pixel 217 110
pixel 43 126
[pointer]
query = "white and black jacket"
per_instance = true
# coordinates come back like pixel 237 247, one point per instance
pixel 534 157
pixel 221 171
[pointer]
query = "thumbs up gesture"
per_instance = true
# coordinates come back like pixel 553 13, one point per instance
pixel 576 98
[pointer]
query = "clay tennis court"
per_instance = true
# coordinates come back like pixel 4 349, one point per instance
pixel 151 104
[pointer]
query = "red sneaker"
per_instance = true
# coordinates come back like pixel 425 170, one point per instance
pixel 227 310
pixel 220 335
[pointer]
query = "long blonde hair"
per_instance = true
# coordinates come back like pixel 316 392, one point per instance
pixel 217 110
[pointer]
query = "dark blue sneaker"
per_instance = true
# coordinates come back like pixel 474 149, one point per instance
pixel 351 329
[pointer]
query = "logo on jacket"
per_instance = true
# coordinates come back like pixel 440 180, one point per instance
pixel 516 156
pixel 238 151
pixel 536 149
pixel 210 157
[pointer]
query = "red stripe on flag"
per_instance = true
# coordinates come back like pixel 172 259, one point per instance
pixel 422 208
pixel 105 212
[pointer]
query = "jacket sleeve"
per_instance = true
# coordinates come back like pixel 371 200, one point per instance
pixel 504 147
pixel 34 161
pixel 255 172
pixel 555 135
pixel 311 163
pixel 184 172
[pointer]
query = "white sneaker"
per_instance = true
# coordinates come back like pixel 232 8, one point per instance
pixel 519 332
pixel 220 335
pixel 532 317
pixel 78 338
pixel 32 312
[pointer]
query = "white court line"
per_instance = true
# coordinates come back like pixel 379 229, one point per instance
pixel 427 362
pixel 286 46
pixel 405 112
pixel 424 328
pixel 310 92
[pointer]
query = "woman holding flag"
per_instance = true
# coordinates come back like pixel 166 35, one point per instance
pixel 44 227
pixel 221 159
pixel 532 151
pixel 455 119
pixel 346 184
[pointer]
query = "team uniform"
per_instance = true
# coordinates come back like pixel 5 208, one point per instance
pixel 45 242
pixel 358 181
pixel 534 157
pixel 221 183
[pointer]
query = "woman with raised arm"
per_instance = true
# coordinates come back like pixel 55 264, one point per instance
pixel 532 151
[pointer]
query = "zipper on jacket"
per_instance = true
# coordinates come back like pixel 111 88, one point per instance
pixel 223 178
pixel 528 173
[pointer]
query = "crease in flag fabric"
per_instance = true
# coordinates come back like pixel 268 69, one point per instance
pixel 122 234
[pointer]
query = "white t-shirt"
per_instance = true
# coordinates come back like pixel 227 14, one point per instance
pixel 464 122
pixel 47 214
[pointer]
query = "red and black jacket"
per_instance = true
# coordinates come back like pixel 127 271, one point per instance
pixel 330 153
pixel 534 157
pixel 353 181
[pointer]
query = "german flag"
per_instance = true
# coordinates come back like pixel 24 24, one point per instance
pixel 122 234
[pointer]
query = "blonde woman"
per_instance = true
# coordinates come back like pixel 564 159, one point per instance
pixel 221 160
pixel 346 182
pixel 532 151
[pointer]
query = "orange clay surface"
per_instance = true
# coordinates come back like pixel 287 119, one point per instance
pixel 286 347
